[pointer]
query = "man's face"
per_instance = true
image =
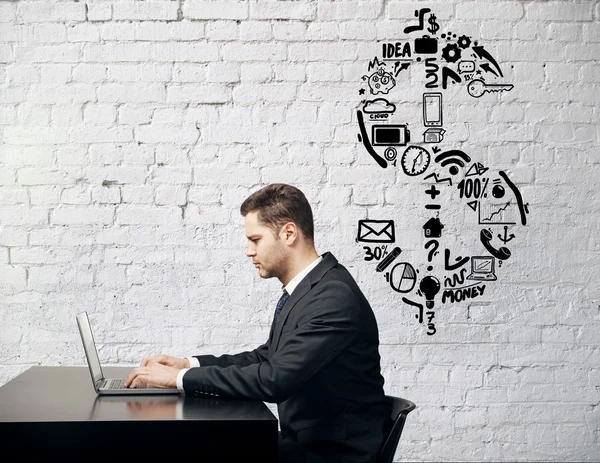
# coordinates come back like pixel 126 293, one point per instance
pixel 268 251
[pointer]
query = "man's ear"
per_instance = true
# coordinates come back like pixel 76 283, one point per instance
pixel 290 232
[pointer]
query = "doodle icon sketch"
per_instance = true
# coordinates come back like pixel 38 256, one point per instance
pixel 376 231
pixel 482 269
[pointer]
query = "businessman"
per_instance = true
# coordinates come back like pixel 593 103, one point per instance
pixel 320 364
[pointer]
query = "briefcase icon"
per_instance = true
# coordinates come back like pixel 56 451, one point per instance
pixel 376 231
pixel 426 45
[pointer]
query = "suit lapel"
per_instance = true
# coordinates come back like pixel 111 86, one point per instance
pixel 301 290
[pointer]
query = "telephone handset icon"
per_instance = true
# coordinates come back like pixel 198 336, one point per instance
pixel 501 253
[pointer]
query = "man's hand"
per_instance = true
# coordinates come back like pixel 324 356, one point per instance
pixel 154 374
pixel 167 360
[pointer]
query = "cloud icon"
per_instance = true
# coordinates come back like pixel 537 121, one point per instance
pixel 379 105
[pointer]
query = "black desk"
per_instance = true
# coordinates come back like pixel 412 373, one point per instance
pixel 57 408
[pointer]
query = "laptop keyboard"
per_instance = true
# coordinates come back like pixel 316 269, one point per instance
pixel 117 384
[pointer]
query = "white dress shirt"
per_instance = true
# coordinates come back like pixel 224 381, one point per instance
pixel 290 287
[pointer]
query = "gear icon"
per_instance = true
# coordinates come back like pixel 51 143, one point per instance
pixel 451 53
pixel 464 41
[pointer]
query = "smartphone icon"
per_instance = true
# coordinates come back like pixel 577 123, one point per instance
pixel 432 109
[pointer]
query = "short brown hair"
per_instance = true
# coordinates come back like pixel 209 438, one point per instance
pixel 278 204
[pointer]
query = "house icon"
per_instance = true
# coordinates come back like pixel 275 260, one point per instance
pixel 433 228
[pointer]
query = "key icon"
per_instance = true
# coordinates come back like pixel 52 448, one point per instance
pixel 478 87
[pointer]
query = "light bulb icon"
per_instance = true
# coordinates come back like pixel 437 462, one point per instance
pixel 430 286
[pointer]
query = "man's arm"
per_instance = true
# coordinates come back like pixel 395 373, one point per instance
pixel 331 325
pixel 260 354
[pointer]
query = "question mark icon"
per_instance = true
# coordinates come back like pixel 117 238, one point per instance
pixel 434 245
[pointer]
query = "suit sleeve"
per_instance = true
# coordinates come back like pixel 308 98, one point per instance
pixel 257 355
pixel 330 326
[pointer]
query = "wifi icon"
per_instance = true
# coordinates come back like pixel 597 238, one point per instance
pixel 453 158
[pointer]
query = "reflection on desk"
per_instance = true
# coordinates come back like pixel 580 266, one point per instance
pixel 165 408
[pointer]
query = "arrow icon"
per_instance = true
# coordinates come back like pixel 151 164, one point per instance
pixel 483 53
pixel 506 238
pixel 486 67
pixel 397 69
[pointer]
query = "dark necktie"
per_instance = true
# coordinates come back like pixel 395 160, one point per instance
pixel 284 297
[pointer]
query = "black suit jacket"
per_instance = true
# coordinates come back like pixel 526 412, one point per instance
pixel 321 365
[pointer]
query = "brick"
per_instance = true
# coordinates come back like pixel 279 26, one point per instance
pixel 117 31
pixel 251 31
pixel 290 72
pixel 13 279
pixel 591 32
pixel 116 52
pixel 254 73
pixel 99 12
pixel 215 10
pixel 222 30
pixel 323 31
pixel 78 194
pixel 123 93
pixel 124 175
pixel 134 115
pixel 145 11
pixel 489 10
pixel 85 32
pixel 156 133
pixel 214 175
pixel 137 215
pixel 290 31
pixel 112 276
pixel 222 72
pixel 99 114
pixel 106 195
pixel 82 215
pixel 185 51
pixel 89 73
pixel 187 30
pixel 348 10
pixel 560 11
pixel 53 12
pixel 172 175
pixel 186 93
pixel 143 194
pixel 8 12
pixel 282 10
pixel 253 52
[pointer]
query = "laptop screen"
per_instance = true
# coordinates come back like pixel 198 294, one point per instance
pixel 482 264
pixel 89 346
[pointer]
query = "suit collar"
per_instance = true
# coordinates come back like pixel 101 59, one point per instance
pixel 313 277
pixel 293 284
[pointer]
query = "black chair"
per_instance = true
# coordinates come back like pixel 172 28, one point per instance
pixel 394 426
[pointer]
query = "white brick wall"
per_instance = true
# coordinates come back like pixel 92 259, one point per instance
pixel 130 132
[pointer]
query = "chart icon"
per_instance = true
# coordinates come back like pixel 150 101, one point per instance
pixel 403 277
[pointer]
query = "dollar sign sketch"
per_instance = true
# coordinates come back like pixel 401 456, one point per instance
pixel 434 25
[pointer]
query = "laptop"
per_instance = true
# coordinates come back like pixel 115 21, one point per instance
pixel 482 269
pixel 109 386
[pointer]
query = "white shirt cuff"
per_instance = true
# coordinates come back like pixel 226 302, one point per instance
pixel 180 378
pixel 194 363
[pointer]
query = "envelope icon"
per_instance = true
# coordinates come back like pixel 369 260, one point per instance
pixel 376 231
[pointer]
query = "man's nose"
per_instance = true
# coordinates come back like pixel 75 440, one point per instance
pixel 250 251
